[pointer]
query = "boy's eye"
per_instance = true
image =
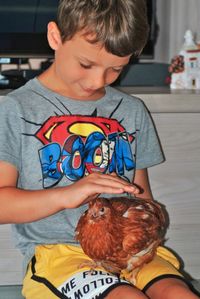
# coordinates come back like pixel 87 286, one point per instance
pixel 85 66
pixel 117 70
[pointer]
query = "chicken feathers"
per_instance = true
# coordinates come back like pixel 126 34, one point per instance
pixel 121 233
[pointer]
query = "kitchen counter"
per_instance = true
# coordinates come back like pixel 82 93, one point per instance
pixel 164 100
pixel 161 99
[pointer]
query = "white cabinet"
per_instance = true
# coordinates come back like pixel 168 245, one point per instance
pixel 10 257
pixel 176 183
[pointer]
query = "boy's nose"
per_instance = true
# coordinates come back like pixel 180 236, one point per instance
pixel 97 81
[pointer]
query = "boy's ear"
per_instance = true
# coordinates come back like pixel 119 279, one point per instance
pixel 53 36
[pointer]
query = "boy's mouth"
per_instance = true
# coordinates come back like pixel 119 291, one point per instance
pixel 92 91
pixel 89 90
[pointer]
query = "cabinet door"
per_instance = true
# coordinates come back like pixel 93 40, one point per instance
pixel 176 183
pixel 10 258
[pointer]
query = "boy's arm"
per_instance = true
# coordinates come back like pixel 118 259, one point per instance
pixel 19 206
pixel 141 179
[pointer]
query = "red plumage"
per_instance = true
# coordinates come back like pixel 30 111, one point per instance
pixel 121 233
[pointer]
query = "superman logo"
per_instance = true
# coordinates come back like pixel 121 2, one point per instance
pixel 75 146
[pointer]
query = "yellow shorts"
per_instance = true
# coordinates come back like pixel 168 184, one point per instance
pixel 58 271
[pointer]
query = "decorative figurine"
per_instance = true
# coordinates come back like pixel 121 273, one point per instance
pixel 185 67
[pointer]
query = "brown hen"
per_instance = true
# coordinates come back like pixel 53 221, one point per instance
pixel 121 233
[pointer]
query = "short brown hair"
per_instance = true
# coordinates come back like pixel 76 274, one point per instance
pixel 120 25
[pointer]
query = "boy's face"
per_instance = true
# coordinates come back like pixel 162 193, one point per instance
pixel 81 69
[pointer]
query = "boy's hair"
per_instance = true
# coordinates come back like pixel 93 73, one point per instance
pixel 121 26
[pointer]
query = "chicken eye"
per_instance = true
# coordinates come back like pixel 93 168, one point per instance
pixel 101 211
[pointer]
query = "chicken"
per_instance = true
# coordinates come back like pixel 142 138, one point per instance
pixel 121 234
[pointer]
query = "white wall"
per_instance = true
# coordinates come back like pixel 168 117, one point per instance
pixel 174 18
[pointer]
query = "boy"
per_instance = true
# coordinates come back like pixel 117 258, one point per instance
pixel 67 137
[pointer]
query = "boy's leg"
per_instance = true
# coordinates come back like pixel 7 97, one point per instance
pixel 161 278
pixel 170 288
pixel 56 272
pixel 126 292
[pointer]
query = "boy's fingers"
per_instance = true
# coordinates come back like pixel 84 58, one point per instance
pixel 133 188
pixel 114 174
pixel 124 186
pixel 109 178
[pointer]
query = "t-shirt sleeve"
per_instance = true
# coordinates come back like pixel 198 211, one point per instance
pixel 148 148
pixel 10 132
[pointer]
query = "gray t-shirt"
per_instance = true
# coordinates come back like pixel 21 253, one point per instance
pixel 54 141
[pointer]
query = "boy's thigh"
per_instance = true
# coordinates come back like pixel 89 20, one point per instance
pixel 165 264
pixel 60 271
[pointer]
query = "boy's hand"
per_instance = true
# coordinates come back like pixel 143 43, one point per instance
pixel 94 184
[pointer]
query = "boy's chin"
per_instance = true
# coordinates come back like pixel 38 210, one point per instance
pixel 92 94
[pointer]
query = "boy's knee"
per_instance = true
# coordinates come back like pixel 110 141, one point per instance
pixel 170 288
pixel 126 292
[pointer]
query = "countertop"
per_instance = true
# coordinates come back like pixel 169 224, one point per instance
pixel 161 99
pixel 164 100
